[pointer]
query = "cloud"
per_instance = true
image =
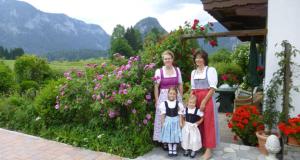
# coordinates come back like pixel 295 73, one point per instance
pixel 108 14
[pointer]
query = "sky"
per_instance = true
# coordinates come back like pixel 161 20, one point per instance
pixel 170 13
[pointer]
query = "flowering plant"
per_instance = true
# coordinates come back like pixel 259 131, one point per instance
pixel 229 78
pixel 291 128
pixel 244 122
pixel 198 29
pixel 260 70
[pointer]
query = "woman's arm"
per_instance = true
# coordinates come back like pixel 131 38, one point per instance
pixel 180 87
pixel 156 93
pixel 212 77
pixel 199 122
pixel 192 82
pixel 181 121
pixel 206 98
pixel 163 119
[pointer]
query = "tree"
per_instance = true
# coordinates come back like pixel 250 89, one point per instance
pixel 12 54
pixel 118 43
pixel 119 32
pixel 121 46
pixel 16 52
pixel 152 37
pixel 2 52
pixel 133 36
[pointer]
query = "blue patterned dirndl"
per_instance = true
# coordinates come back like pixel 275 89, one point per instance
pixel 171 132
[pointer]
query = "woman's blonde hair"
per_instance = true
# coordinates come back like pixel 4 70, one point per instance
pixel 167 52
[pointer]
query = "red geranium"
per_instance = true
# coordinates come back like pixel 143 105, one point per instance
pixel 260 70
pixel 291 128
pixel 244 122
pixel 229 78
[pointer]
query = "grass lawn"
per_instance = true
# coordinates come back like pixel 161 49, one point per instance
pixel 9 63
pixel 63 65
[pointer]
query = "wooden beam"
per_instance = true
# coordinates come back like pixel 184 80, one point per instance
pixel 237 33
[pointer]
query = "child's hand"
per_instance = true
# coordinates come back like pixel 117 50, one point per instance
pixel 195 125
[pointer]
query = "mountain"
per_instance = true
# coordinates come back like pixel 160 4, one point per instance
pixel 223 42
pixel 147 24
pixel 22 25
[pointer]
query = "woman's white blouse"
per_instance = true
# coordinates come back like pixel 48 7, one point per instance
pixel 212 77
pixel 171 104
pixel 157 74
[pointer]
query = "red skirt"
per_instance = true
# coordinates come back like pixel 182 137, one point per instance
pixel 207 127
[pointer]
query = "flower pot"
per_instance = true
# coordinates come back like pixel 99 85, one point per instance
pixel 293 141
pixel 262 137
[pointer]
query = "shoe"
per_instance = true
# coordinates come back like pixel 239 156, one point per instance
pixel 186 153
pixel 170 154
pixel 193 154
pixel 175 153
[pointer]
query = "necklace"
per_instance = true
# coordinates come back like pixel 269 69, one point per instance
pixel 169 68
pixel 200 69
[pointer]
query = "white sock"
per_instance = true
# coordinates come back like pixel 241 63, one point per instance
pixel 170 147
pixel 174 148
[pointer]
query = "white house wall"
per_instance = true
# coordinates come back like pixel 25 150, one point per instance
pixel 283 24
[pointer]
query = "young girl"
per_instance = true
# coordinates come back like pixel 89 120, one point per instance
pixel 171 111
pixel 191 137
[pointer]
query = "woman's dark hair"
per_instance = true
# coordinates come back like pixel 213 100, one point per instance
pixel 202 54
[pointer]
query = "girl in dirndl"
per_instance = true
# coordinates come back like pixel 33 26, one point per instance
pixel 171 112
pixel 191 137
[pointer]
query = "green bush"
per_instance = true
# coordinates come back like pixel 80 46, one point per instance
pixel 127 142
pixel 229 73
pixel 32 68
pixel 8 108
pixel 7 82
pixel 105 97
pixel 221 55
pixel 27 84
pixel 45 102
pixel 240 56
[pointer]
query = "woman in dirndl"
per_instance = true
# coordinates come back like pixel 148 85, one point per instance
pixel 204 81
pixel 166 77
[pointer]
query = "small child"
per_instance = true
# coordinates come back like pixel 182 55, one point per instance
pixel 191 137
pixel 171 111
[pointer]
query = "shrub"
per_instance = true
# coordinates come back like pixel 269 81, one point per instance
pixel 45 101
pixel 221 55
pixel 229 73
pixel 32 68
pixel 8 107
pixel 7 83
pixel 240 56
pixel 26 85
